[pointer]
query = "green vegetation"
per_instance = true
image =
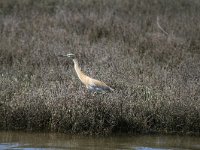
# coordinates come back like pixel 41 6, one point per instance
pixel 156 75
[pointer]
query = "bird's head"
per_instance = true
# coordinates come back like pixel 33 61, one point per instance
pixel 70 55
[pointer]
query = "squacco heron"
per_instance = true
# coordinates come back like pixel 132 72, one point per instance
pixel 90 83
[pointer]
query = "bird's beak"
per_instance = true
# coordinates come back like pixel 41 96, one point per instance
pixel 62 56
pixel 68 55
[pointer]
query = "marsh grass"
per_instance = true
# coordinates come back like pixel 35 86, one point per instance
pixel 155 76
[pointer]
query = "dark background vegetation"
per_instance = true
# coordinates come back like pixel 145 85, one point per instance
pixel 156 75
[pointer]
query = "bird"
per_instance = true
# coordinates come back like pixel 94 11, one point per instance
pixel 91 84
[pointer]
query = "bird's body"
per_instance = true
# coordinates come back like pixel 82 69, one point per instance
pixel 91 84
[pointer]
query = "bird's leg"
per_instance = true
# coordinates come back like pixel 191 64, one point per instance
pixel 84 93
pixel 93 93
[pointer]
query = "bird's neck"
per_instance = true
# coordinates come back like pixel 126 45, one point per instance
pixel 78 69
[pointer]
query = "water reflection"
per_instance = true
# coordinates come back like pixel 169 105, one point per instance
pixel 56 141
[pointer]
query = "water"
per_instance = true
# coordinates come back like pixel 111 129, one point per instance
pixel 56 141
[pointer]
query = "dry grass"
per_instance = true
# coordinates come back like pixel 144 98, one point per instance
pixel 155 75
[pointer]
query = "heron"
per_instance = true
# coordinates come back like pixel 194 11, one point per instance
pixel 91 84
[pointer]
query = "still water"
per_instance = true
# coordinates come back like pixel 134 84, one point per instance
pixel 51 141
